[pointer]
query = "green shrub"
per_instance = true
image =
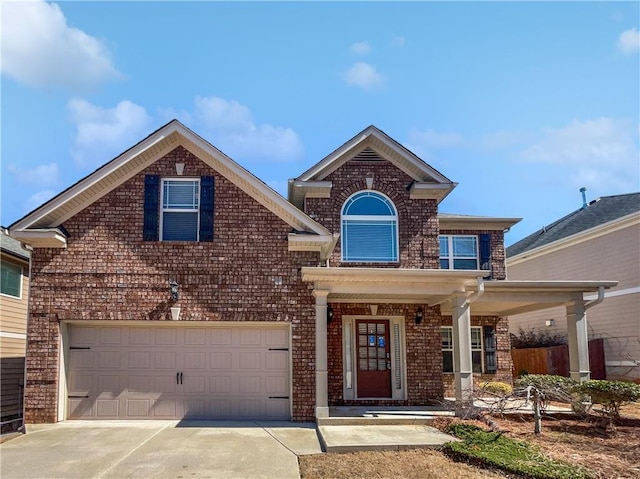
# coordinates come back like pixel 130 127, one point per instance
pixel 496 387
pixel 611 394
pixel 498 451
pixel 550 388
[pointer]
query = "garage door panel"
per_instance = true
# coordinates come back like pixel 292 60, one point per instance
pixel 110 383
pixel 165 409
pixel 109 359
pixel 140 336
pixel 139 384
pixel 165 360
pixel 138 408
pixel 81 359
pixel 82 336
pixel 195 360
pixel 276 360
pixel 250 385
pixel 220 337
pixel 110 336
pixel 250 360
pixel 107 408
pixel 139 359
pixel 195 337
pixel 166 336
pixel 81 408
pixel 195 384
pixel 165 384
pixel 220 384
pixel 132 372
pixel 223 361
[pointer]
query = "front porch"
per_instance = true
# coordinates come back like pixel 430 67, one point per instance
pixel 412 342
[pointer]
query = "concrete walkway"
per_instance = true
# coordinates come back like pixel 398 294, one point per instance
pixel 158 449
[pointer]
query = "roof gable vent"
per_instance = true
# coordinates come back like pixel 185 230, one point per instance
pixel 368 154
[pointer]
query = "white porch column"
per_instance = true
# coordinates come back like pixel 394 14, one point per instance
pixel 462 361
pixel 322 381
pixel 578 341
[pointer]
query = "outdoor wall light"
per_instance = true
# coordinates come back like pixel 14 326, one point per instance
pixel 329 314
pixel 173 286
pixel 419 315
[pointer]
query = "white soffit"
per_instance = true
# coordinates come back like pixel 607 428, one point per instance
pixel 462 222
pixel 136 159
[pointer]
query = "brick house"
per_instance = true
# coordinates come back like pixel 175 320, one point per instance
pixel 172 283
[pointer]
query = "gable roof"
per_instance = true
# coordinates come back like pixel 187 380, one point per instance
pixel 42 226
pixel 598 212
pixel 371 144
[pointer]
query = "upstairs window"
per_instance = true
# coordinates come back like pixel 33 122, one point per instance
pixel 458 252
pixel 11 279
pixel 369 228
pixel 180 208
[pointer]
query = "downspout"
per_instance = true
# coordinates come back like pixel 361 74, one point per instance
pixel 596 301
pixel 473 296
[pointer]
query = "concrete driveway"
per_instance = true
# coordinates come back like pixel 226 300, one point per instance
pixel 158 449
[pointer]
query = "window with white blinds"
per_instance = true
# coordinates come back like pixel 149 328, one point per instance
pixel 180 209
pixel 369 228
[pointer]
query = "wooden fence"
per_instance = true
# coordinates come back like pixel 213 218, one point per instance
pixel 555 360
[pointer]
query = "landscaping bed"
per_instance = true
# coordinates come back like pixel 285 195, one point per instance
pixel 582 441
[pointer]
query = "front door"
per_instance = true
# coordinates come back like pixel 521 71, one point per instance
pixel 374 358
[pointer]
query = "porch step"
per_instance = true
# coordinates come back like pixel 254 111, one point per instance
pixel 376 437
pixel 380 420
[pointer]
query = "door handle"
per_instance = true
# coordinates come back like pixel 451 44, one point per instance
pixel 181 378
pixel 177 378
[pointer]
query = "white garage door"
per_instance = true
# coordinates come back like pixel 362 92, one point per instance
pixel 161 372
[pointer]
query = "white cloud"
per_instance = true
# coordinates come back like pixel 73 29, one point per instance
pixel 40 49
pixel 602 152
pixel 432 140
pixel 360 48
pixel 364 75
pixel 103 133
pixel 38 199
pixel 629 41
pixel 43 175
pixel 234 131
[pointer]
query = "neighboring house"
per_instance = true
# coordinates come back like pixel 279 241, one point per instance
pixel 599 240
pixel 14 293
pixel 172 283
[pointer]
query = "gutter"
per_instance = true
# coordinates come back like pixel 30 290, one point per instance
pixel 596 301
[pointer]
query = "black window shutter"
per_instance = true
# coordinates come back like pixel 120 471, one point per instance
pixel 485 251
pixel 490 346
pixel 206 208
pixel 151 199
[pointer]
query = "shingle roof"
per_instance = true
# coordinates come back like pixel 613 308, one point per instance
pixel 597 212
pixel 13 247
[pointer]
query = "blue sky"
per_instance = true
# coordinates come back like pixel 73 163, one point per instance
pixel 520 103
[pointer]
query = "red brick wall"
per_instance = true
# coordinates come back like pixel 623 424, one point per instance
pixel 423 352
pixel 417 219
pixel 108 273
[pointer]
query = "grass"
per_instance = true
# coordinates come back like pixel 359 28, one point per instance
pixel 493 449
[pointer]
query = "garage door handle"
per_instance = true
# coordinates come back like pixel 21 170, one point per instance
pixel 79 396
pixel 180 378
pixel 278 349
pixel 177 378
pixel 79 347
pixel 278 397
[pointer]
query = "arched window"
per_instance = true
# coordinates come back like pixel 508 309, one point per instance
pixel 369 228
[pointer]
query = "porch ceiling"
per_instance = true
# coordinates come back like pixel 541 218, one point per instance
pixel 439 287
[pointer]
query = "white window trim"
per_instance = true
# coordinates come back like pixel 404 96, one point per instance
pixel 19 281
pixel 451 257
pixel 481 349
pixel 349 338
pixel 393 218
pixel 163 210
